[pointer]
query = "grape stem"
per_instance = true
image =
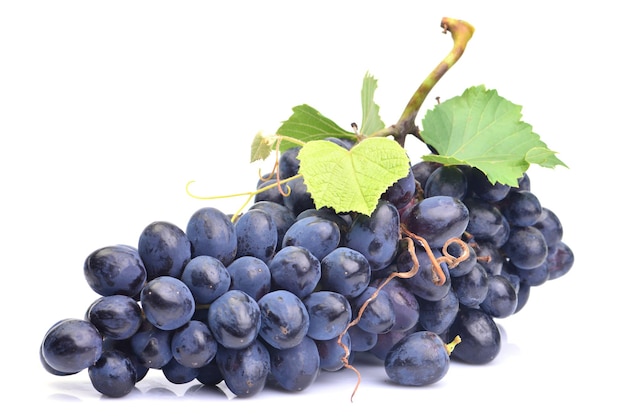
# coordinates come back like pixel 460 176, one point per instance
pixel 407 274
pixel 450 346
pixel 438 279
pixel 461 34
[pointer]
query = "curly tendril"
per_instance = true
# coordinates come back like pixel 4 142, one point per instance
pixel 407 274
pixel 438 279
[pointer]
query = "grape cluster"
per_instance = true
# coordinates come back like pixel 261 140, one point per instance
pixel 288 290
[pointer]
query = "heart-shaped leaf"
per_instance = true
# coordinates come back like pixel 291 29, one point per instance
pixel 351 180
pixel 484 130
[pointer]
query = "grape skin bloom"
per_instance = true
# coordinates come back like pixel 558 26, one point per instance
pixel 264 297
pixel 421 358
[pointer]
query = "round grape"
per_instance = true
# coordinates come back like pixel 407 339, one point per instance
pixel 419 359
pixel 71 345
pixel 113 374
pixel 116 269
pixel 234 319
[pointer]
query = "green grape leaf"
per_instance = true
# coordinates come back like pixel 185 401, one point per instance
pixel 352 180
pixel 371 118
pixel 308 124
pixel 262 146
pixel 484 130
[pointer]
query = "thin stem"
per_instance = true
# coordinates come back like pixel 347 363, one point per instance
pixel 452 261
pixel 461 34
pixel 450 346
pixel 248 194
pixel 407 274
pixel 439 277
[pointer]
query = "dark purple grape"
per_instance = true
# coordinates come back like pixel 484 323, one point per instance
pixel 245 370
pixel 210 374
pixel 485 220
pixel 402 191
pixel 289 164
pixel 437 316
pixel 271 192
pixel 405 304
pixel 376 236
pixel 502 234
pixel 295 269
pixel 50 369
pixel 446 180
pixel 116 269
pixel 456 250
pixel 167 302
pixel 521 208
pixel 282 216
pixel 152 346
pixel 526 247
pixel 125 346
pixel 319 235
pixel 250 275
pixel 206 277
pixel 480 337
pixel 471 288
pixel 386 341
pixel 560 260
pixel 257 235
pixel 490 257
pixel 177 373
pixel 298 198
pixel 550 226
pixel 422 170
pixel 234 319
pixel 426 282
pixel 71 345
pixel 329 314
pixel 115 316
pixel 501 299
pixel 379 316
pixel 193 344
pixel 437 219
pixel 284 319
pixel 345 271
pixel 343 221
pixel 296 368
pixel 534 276
pixel 511 273
pixel 484 189
pixel 113 375
pixel 419 359
pixel 344 143
pixel 164 248
pixel 211 233
pixel 362 340
pixel 332 353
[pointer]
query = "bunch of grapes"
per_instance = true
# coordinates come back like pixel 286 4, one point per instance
pixel 284 290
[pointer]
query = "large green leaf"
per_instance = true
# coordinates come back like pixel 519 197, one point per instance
pixel 483 130
pixel 351 180
pixel 308 124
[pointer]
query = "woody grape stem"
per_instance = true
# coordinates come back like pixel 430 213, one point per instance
pixel 461 34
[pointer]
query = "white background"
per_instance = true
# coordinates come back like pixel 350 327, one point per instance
pixel 107 109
